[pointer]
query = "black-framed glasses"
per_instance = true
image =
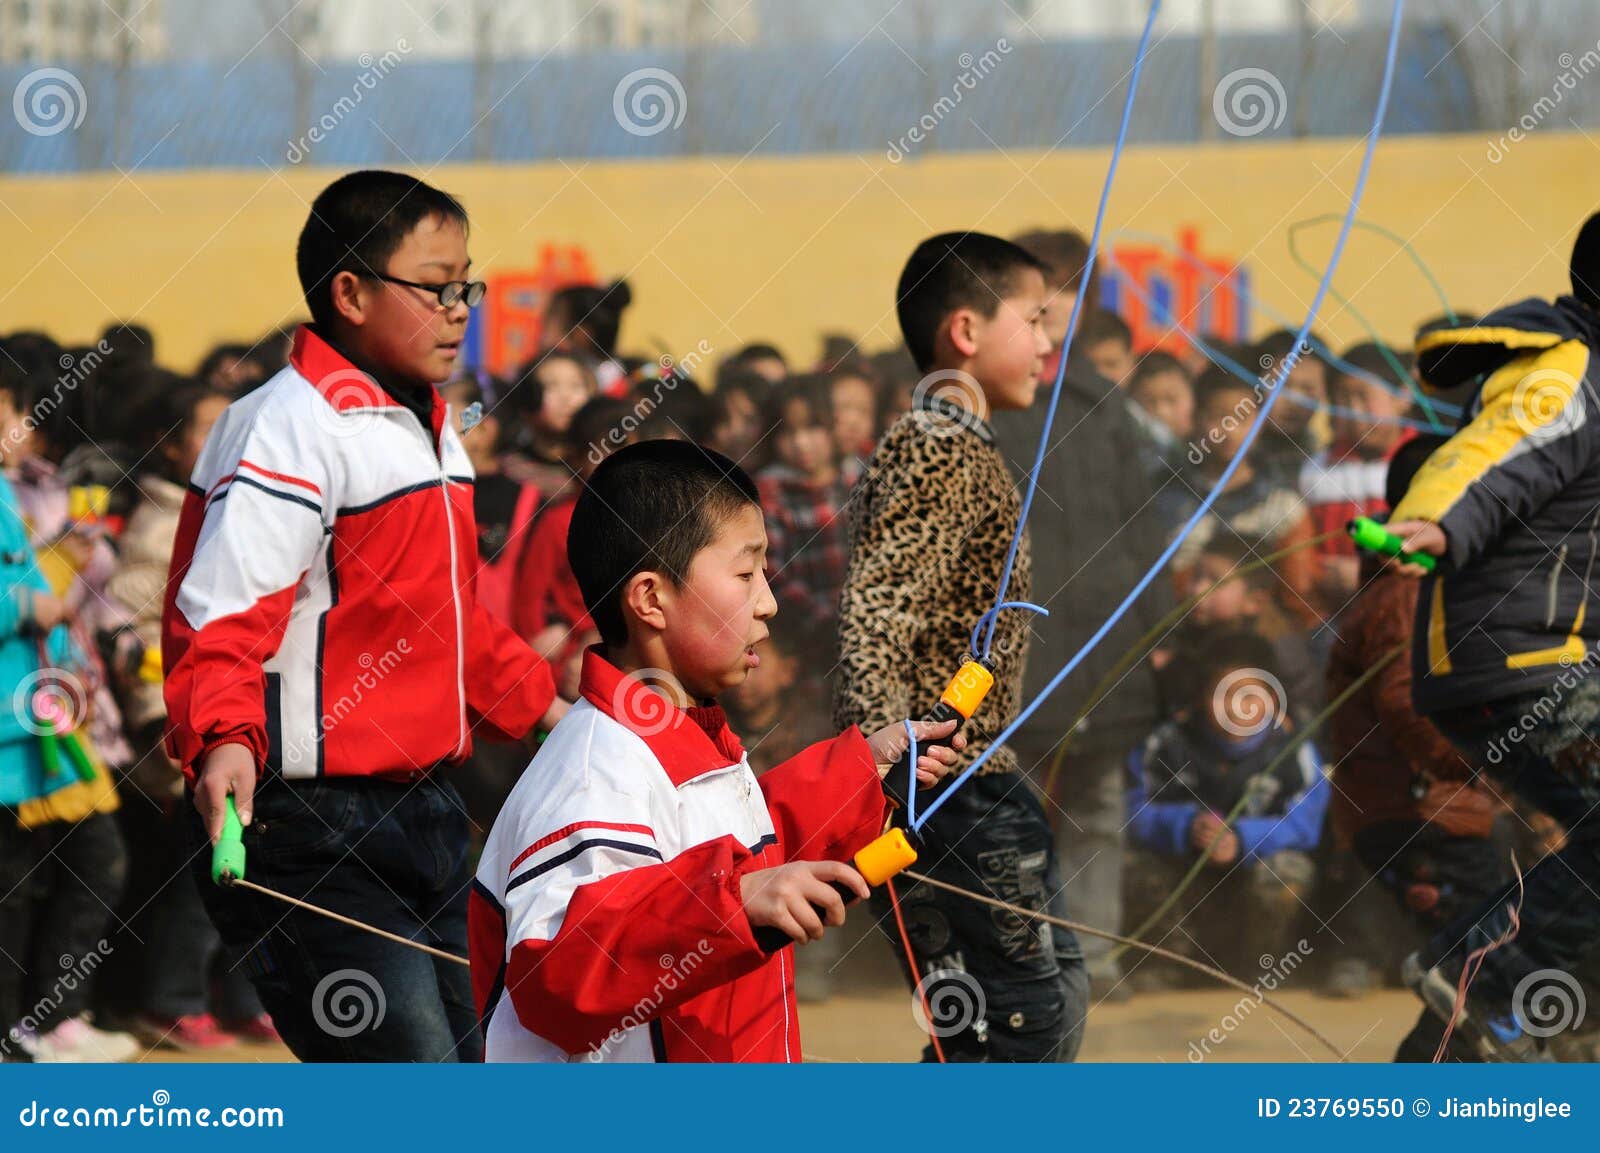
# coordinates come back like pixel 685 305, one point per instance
pixel 449 295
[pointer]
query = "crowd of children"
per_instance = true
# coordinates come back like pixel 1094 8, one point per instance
pixel 886 530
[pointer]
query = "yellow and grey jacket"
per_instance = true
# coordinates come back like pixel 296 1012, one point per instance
pixel 1517 492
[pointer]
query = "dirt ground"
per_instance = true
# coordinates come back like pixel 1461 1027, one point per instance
pixel 869 1018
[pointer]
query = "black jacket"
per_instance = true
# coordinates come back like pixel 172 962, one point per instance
pixel 1517 492
pixel 1095 531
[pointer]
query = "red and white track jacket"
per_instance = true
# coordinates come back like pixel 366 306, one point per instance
pixel 320 607
pixel 606 923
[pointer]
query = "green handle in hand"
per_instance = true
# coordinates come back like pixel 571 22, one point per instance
pixel 1372 536
pixel 227 856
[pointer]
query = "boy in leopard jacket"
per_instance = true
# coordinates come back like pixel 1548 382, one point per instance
pixel 929 529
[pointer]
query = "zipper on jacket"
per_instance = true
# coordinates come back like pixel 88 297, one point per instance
pixel 1555 585
pixel 455 579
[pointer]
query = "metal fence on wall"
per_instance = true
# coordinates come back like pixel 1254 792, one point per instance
pixel 392 107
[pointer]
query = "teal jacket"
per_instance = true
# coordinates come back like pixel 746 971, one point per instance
pixel 22 776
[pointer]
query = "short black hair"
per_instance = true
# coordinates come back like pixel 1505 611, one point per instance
pixel 1240 552
pixel 1406 462
pixel 812 389
pixel 1585 266
pixel 1229 649
pixel 950 271
pixel 1216 379
pixel 357 223
pixel 649 507
pixel 1102 324
pixel 1065 255
pixel 594 310
pixel 1368 357
pixel 1153 364
pixel 1269 352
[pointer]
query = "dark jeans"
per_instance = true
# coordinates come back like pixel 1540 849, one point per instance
pixel 58 885
pixel 1554 764
pixel 1464 871
pixel 1018 987
pixel 391 855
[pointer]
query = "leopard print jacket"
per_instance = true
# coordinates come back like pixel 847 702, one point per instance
pixel 929 526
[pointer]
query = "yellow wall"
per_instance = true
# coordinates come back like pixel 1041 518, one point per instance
pixel 728 251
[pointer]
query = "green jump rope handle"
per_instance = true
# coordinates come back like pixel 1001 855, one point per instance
pixel 227 856
pixel 1372 536
pixel 79 757
pixel 50 754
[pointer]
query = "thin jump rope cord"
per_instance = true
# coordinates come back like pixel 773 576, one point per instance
pixel 1274 391
pixel 1429 405
pixel 1223 361
pixel 1154 634
pixel 1403 385
pixel 1300 738
pixel 992 617
pixel 1118 938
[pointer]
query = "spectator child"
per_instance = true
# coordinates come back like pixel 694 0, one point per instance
pixel 1186 781
pixel 1347 480
pixel 1109 344
pixel 1253 505
pixel 804 497
pixel 1294 434
pixel 503 508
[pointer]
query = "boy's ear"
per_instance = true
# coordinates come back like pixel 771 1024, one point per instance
pixel 962 328
pixel 349 294
pixel 643 598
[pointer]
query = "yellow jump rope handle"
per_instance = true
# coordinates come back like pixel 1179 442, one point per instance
pixel 227 856
pixel 876 863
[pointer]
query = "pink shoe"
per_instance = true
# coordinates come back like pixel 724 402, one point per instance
pixel 190 1033
pixel 257 1029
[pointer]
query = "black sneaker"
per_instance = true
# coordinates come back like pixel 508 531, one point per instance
pixel 1496 1036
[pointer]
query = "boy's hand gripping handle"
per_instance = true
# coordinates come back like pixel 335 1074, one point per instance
pixel 227 856
pixel 1374 537
pixel 876 863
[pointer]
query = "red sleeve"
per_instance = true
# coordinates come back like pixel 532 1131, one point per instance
pixel 509 687
pixel 532 595
pixel 603 970
pixel 826 801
